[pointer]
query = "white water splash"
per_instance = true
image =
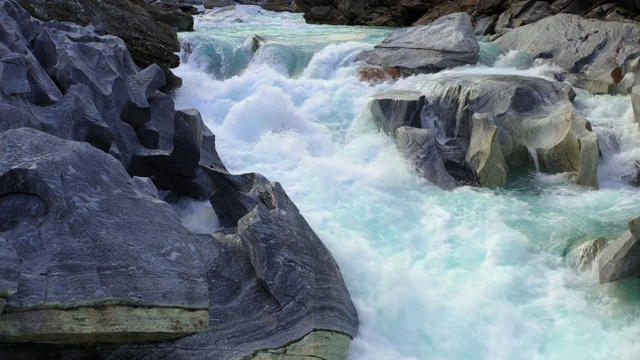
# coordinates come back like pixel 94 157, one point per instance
pixel 465 274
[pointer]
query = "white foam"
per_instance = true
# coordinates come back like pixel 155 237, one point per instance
pixel 466 274
pixel 199 217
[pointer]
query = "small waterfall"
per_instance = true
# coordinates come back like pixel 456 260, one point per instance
pixel 533 157
pixel 464 274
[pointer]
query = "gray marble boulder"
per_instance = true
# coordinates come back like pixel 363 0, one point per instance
pixel 522 13
pixel 620 259
pixel 116 106
pixel 484 125
pixel 90 253
pixel 283 284
pixel 149 41
pixel 424 49
pixel 586 49
pixel 82 232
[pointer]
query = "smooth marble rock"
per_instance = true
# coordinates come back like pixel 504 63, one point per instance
pixel 620 259
pixel 83 210
pixel 423 49
pixel 420 148
pixel 587 49
pixel 486 124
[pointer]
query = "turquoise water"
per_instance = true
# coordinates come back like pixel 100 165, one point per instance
pixel 464 274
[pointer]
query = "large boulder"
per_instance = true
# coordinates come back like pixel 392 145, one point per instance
pixel 149 41
pixel 116 107
pixel 620 259
pixel 485 125
pixel 424 50
pixel 74 141
pixel 586 49
pixel 69 210
pixel 283 284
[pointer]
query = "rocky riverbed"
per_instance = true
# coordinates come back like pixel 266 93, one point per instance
pixel 96 260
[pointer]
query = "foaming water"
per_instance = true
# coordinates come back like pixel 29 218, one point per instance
pixel 464 274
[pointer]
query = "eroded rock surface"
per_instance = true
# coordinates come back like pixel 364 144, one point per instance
pixel 423 49
pixel 149 41
pixel 90 251
pixel 620 259
pixel 484 125
pixel 83 210
pixel 586 49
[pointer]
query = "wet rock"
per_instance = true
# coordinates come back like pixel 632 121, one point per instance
pixel 394 109
pixel 620 259
pixel 634 227
pixel 72 206
pixel 9 275
pixel 522 13
pixel 586 49
pixel 635 102
pixel 272 5
pixel 424 50
pixel 420 148
pixel 485 25
pixel 318 345
pixel 83 209
pixel 585 254
pixel 485 153
pixel 488 124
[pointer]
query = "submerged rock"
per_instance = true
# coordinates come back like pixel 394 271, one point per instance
pixel 424 50
pixel 586 253
pixel 586 49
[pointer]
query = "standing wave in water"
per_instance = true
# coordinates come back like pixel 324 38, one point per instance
pixel 472 273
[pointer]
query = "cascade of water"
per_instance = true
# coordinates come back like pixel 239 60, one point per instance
pixel 533 157
pixel 470 273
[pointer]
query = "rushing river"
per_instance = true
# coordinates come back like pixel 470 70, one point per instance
pixel 464 274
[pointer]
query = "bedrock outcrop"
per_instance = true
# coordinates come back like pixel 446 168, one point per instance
pixel 480 127
pixel 149 41
pixel 90 250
